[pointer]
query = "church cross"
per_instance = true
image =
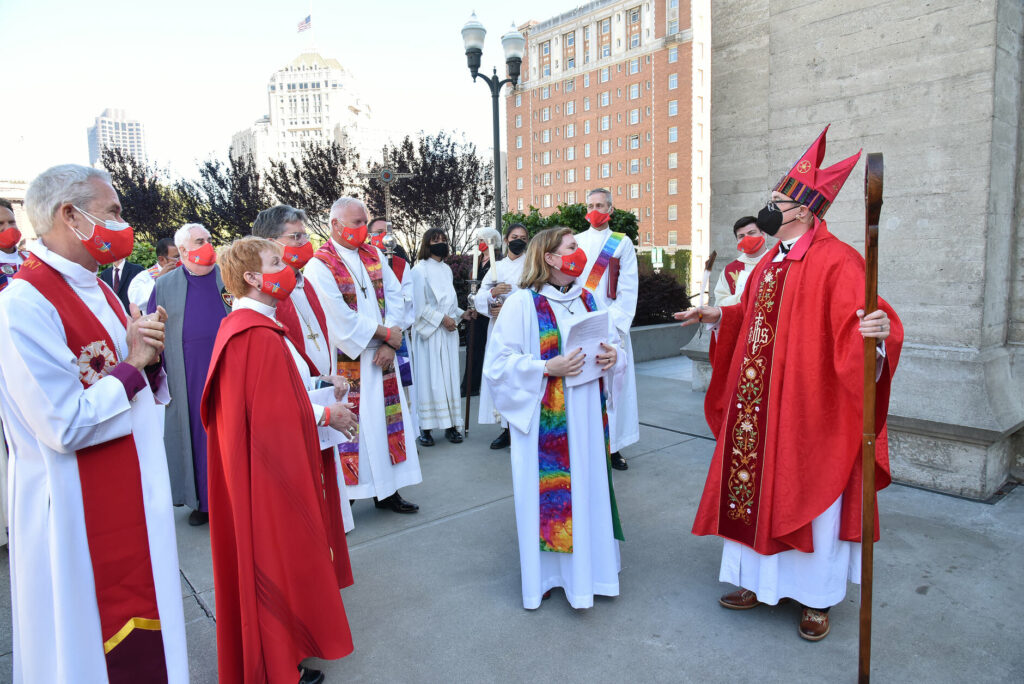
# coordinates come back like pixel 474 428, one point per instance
pixel 386 177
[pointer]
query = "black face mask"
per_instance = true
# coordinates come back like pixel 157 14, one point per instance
pixel 517 247
pixel 770 220
pixel 439 249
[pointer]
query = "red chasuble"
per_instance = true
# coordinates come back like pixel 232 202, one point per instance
pixel 732 274
pixel 785 400
pixel 279 550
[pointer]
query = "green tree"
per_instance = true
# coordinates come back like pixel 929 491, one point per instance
pixel 572 216
pixel 227 197
pixel 151 204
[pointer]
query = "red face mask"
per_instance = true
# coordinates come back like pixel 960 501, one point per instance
pixel 750 244
pixel 110 242
pixel 354 236
pixel 377 240
pixel 597 218
pixel 573 264
pixel 482 246
pixel 204 256
pixel 279 285
pixel 298 257
pixel 9 237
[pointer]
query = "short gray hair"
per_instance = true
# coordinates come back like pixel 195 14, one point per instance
pixel 270 222
pixel 603 191
pixel 182 235
pixel 342 202
pixel 58 185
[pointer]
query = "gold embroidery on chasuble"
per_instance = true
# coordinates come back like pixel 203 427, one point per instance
pixel 747 421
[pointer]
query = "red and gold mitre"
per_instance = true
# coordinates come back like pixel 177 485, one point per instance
pixel 813 186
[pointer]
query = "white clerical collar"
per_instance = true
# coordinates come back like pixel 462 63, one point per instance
pixel 552 292
pixel 259 307
pixel 750 258
pixel 75 274
pixel 342 249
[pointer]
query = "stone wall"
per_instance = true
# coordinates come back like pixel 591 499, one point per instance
pixel 935 85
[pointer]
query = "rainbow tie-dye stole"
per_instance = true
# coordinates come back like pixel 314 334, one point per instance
pixel 601 265
pixel 349 368
pixel 553 440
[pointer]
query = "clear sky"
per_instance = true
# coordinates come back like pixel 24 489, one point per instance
pixel 195 71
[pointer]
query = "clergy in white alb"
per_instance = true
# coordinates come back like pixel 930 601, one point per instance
pixel 611 275
pixel 362 301
pixel 140 289
pixel 11 259
pixel 435 340
pixel 501 280
pixel 95 586
pixel 566 517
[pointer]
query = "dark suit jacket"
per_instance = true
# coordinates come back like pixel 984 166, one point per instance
pixel 129 271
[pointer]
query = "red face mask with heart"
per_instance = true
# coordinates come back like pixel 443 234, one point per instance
pixel 297 257
pixel 750 244
pixel 597 218
pixel 204 256
pixel 573 264
pixel 279 285
pixel 9 237
pixel 354 236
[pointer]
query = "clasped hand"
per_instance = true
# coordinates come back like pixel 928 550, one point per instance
pixel 344 419
pixel 571 364
pixel 145 337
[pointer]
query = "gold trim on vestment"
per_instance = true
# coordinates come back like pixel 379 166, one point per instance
pixel 135 623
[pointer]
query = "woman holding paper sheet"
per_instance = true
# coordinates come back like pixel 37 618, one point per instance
pixel 565 507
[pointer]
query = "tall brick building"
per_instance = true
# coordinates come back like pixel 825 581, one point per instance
pixel 615 94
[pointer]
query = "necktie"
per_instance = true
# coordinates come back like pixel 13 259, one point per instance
pixel 117 279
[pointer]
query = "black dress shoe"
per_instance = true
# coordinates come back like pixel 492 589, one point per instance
pixel 310 676
pixel 425 439
pixel 198 518
pixel 453 435
pixel 397 504
pixel 618 462
pixel 503 440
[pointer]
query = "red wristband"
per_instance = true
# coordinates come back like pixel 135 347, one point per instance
pixel 327 416
pixel 388 336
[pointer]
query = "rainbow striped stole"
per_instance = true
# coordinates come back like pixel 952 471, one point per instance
pixel 350 368
pixel 607 252
pixel 553 438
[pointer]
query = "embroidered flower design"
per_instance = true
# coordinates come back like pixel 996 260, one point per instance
pixel 747 426
pixel 804 166
pixel 743 476
pixel 95 361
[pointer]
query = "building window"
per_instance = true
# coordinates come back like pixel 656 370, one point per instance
pixel 673 26
pixel 673 81
pixel 634 142
pixel 545 92
pixel 586 80
pixel 673 55
pixel 570 197
pixel 570 130
pixel 634 166
pixel 634 66
pixel 519 142
pixel 634 116
pixel 570 39
pixel 519 165
pixel 605 74
pixel 519 120
pixel 519 206
pixel 570 85
pixel 606 122
pixel 634 191
pixel 673 212
pixel 545 48
pixel 673 186
pixel 570 107
pixel 570 176
pixel 570 153
pixel 586 127
pixel 546 135
pixel 519 100
pixel 606 170
pixel 673 134
pixel 586 104
pixel 606 26
pixel 673 107
pixel 545 157
pixel 606 147
pixel 586 173
pixel 545 114
pixel 545 179
pixel 586 150
pixel 606 50
pixel 634 91
pixel 547 69
pixel 547 201
pixel 606 98
pixel 673 160
pixel 519 183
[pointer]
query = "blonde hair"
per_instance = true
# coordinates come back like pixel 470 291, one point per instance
pixel 535 270
pixel 244 255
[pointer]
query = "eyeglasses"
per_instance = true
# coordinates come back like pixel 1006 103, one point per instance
pixel 301 238
pixel 774 204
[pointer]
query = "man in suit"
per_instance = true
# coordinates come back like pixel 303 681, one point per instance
pixel 119 276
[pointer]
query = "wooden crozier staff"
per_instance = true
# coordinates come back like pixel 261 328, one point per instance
pixel 873 207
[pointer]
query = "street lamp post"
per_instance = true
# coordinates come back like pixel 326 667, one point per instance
pixel 513 43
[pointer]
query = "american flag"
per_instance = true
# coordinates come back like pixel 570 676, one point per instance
pixel 305 24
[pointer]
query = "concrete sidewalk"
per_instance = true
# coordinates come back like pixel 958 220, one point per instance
pixel 437 594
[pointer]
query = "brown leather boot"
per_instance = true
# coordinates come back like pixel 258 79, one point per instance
pixel 741 599
pixel 814 625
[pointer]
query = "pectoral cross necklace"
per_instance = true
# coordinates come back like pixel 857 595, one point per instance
pixel 359 282
pixel 312 336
